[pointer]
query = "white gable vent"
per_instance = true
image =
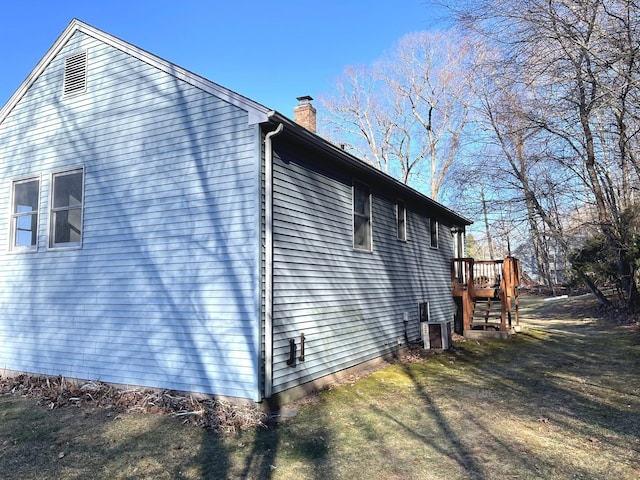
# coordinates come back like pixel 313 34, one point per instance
pixel 75 73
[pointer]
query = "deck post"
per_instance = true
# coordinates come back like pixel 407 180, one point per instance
pixel 467 299
pixel 504 306
pixel 505 296
pixel 511 273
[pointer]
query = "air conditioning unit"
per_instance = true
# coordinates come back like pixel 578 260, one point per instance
pixel 436 335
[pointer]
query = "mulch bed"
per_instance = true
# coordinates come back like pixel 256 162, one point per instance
pixel 208 413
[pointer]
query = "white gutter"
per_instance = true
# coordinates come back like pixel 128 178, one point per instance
pixel 268 261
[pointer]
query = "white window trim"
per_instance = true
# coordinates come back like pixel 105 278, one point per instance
pixel 353 214
pixel 11 240
pixel 50 233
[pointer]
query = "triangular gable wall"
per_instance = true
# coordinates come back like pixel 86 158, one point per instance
pixel 257 112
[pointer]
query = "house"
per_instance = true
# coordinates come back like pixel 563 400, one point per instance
pixel 164 231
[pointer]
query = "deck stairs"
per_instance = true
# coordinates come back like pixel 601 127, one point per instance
pixel 487 314
pixel 487 294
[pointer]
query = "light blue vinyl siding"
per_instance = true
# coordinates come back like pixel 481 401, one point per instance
pixel 349 304
pixel 165 289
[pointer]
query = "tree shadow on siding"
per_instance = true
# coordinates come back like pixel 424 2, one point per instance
pixel 141 282
pixel 132 313
pixel 349 304
pixel 260 462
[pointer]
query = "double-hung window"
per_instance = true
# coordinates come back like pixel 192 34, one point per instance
pixel 24 214
pixel 361 217
pixel 66 209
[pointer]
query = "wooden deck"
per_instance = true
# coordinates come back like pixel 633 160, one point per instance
pixel 488 294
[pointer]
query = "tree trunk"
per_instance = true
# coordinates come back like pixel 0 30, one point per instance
pixel 604 301
pixel 626 273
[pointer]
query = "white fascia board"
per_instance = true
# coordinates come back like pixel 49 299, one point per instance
pixel 257 113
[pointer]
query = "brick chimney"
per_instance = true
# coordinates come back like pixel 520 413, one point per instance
pixel 305 114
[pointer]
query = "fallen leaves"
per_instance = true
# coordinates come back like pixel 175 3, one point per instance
pixel 209 413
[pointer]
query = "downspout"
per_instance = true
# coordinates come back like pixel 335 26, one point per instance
pixel 268 261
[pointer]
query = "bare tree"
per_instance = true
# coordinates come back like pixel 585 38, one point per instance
pixel 581 64
pixel 409 109
pixel 361 118
pixel 505 113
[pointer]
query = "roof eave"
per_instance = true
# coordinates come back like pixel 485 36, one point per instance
pixel 345 157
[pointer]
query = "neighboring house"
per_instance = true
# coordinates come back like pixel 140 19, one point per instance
pixel 164 231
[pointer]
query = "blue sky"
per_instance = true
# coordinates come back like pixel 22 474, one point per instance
pixel 271 52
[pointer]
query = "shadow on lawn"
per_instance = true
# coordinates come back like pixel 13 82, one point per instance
pixel 260 463
pixel 571 379
pixel 582 378
pixel 463 454
pixel 261 451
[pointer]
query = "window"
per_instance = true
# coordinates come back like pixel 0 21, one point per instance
pixel 24 214
pixel 458 242
pixel 433 230
pixel 425 311
pixel 401 217
pixel 361 217
pixel 66 209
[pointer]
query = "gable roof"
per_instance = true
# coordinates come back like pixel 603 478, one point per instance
pixel 257 113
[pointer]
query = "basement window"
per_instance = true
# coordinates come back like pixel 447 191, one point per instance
pixel 75 74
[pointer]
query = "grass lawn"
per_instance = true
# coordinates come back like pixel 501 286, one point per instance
pixel 561 400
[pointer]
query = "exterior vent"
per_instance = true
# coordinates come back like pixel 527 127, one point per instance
pixel 75 74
